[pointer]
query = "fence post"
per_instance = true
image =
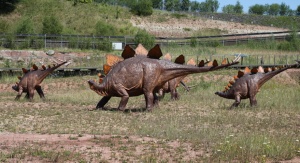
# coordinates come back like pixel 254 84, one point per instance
pixel 45 40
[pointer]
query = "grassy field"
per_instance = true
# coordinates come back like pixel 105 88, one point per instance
pixel 197 128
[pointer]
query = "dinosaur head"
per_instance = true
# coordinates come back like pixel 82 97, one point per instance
pixel 99 89
pixel 15 87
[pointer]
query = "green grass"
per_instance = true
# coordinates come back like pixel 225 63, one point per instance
pixel 266 132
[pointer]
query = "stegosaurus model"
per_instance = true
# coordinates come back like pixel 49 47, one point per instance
pixel 138 75
pixel 32 79
pixel 248 83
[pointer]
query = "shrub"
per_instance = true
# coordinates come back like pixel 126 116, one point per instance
pixel 142 8
pixel 4 26
pixel 193 42
pixel 51 25
pixel 144 38
pixel 104 45
pixel 104 29
pixel 25 27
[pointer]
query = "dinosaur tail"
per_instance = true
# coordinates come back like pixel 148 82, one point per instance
pixel 50 70
pixel 271 74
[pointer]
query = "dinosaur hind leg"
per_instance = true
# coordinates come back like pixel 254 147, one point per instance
pixel 149 97
pixel 31 93
pixel 236 102
pixel 124 99
pixel 40 92
pixel 102 102
pixel 253 101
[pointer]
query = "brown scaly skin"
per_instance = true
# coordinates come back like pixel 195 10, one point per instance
pixel 141 75
pixel 31 81
pixel 249 85
pixel 171 85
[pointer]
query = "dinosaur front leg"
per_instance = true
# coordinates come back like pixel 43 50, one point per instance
pixel 155 101
pixel 237 101
pixel 40 91
pixel 19 93
pixel 124 99
pixel 102 102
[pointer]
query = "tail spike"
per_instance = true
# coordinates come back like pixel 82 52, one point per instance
pixel 231 82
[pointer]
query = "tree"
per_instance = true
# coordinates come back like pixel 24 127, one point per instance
pixel 284 9
pixel 143 37
pixel 158 4
pixel 238 8
pixel 273 9
pixel 209 6
pixel 257 9
pixel 25 27
pixel 169 4
pixel 228 9
pixel 7 6
pixel 142 8
pixel 185 5
pixel 298 10
pixel 195 6
pixel 212 5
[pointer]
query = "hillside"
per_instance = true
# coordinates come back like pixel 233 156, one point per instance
pixel 82 19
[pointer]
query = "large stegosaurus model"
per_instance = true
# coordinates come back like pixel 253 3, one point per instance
pixel 138 75
pixel 248 83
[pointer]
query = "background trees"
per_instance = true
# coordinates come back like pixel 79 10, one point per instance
pixel 7 6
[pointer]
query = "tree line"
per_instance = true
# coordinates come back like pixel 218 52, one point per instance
pixel 145 7
pixel 273 9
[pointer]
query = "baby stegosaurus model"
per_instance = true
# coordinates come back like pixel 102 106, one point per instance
pixel 32 79
pixel 248 82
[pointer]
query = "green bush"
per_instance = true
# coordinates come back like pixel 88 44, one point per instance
pixel 142 8
pixel 4 26
pixel 193 42
pixel 104 29
pixel 25 27
pixel 51 25
pixel 143 37
pixel 104 45
pixel 10 42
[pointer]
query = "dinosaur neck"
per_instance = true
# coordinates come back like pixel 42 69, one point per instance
pixel 269 75
pixel 100 89
pixel 224 94
pixel 46 72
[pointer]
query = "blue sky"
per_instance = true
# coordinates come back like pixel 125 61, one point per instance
pixel 246 3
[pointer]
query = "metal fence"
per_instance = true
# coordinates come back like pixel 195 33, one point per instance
pixel 37 41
